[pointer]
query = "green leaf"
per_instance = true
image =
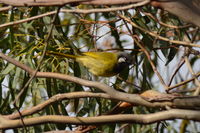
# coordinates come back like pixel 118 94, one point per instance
pixel 48 87
pixel 1 90
pixel 163 44
pixel 5 44
pixel 10 67
pixel 147 41
pixel 5 104
pixel 171 55
pixel 34 11
pixel 24 94
pixel 11 34
pixel 17 78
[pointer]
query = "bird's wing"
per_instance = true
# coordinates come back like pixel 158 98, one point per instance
pixel 101 56
pixel 99 63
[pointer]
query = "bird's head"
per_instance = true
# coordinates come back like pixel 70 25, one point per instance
pixel 123 61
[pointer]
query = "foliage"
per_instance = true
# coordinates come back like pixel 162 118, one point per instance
pixel 74 33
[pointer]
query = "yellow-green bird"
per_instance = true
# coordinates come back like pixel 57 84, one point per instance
pixel 105 64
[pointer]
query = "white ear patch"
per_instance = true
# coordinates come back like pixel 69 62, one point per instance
pixel 121 59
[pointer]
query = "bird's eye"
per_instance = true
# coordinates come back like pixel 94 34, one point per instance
pixel 121 59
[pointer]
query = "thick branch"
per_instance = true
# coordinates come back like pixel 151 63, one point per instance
pixel 96 10
pixel 132 98
pixel 39 2
pixel 188 10
pixel 63 2
pixel 123 118
pixel 56 98
pixel 153 96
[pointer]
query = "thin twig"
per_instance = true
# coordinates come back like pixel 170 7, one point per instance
pixel 56 98
pixel 175 72
pixel 183 82
pixel 183 91
pixel 27 19
pixel 114 94
pixel 195 35
pixel 36 70
pixel 148 56
pixel 77 11
pixel 128 82
pixel 39 2
pixel 183 43
pixel 151 63
pixel 132 98
pixel 40 62
pixel 21 118
pixel 164 24
pixel 194 75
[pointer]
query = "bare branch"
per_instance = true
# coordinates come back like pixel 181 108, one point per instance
pixel 56 98
pixel 183 43
pixel 5 8
pixel 151 62
pixel 164 24
pixel 176 70
pixel 39 2
pixel 194 75
pixel 75 11
pixel 63 2
pixel 152 96
pixel 188 10
pixel 132 98
pixel 122 118
pixel 183 82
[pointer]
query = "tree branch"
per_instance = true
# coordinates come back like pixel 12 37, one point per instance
pixel 83 11
pixel 187 10
pixel 183 43
pixel 56 98
pixel 152 96
pixel 132 98
pixel 39 2
pixel 122 118
pixel 63 2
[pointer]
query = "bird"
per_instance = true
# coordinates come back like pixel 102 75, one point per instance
pixel 104 64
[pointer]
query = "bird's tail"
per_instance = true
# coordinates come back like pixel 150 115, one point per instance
pixel 61 54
